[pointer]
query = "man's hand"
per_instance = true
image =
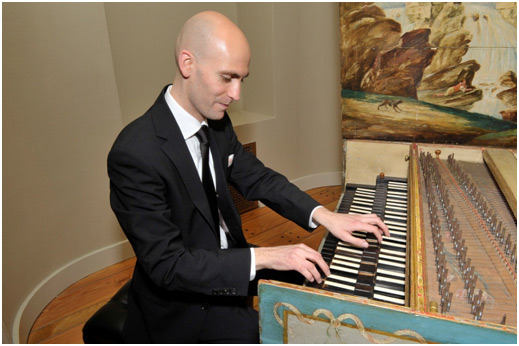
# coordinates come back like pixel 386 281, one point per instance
pixel 292 257
pixel 342 225
pixel 304 259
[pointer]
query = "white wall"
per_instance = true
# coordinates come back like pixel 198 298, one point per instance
pixel 75 73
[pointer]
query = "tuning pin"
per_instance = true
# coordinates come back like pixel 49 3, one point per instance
pixel 493 227
pixel 467 267
pixel 470 293
pixel 476 302
pixel 445 289
pixel 503 236
pixel 471 289
pixel 485 209
pixel 462 261
pixel 493 219
pixel 469 276
pixel 437 243
pixel 498 230
pixel 443 280
pixel 450 212
pixel 479 312
pixel 460 250
pixel 503 321
pixel 507 244
pixel 446 306
pixel 439 267
pixel 456 227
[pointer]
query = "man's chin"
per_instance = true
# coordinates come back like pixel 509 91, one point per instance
pixel 217 115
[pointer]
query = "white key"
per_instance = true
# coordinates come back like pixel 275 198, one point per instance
pixel 392 258
pixel 402 246
pixel 394 239
pixel 341 278
pixel 365 190
pixel 360 209
pixel 390 291
pixel 399 202
pixel 393 264
pixel 359 234
pixel 389 299
pixel 364 198
pixel 342 257
pixel 397 217
pixel 401 231
pixel 397 230
pixel 390 280
pixel 344 263
pixel 336 284
pixel 391 252
pixel 395 223
pixel 357 212
pixel 349 248
pixel 346 270
pixel 393 212
pixel 388 272
pixel 394 206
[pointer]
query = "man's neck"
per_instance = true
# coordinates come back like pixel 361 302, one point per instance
pixel 179 95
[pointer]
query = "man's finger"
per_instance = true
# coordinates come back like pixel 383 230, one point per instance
pixel 358 242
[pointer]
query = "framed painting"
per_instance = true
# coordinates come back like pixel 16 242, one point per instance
pixel 429 72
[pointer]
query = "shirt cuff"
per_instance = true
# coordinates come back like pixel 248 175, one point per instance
pixel 252 264
pixel 311 223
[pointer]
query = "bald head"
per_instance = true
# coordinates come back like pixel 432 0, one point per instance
pixel 212 57
pixel 208 33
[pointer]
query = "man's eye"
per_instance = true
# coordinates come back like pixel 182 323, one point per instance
pixel 226 78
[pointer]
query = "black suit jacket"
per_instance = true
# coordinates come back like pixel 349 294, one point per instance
pixel 159 200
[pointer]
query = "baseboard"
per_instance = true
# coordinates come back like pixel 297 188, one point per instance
pixel 318 180
pixel 62 278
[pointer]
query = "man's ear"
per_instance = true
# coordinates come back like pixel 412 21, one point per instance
pixel 185 63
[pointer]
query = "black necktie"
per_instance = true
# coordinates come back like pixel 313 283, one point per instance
pixel 207 180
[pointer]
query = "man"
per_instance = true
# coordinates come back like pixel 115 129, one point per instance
pixel 194 267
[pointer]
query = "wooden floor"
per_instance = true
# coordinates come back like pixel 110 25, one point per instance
pixel 63 319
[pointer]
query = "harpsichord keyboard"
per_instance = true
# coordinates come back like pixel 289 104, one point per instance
pixel 379 271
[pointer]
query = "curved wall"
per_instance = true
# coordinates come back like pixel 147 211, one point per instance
pixel 75 73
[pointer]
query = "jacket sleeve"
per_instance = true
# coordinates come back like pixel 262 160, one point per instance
pixel 255 181
pixel 140 198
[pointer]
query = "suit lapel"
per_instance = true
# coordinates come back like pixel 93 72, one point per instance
pixel 176 149
pixel 225 202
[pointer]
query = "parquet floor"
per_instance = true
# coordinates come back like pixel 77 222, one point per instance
pixel 61 322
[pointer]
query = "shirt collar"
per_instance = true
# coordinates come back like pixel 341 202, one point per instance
pixel 187 123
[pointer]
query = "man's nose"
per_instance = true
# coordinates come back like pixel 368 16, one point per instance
pixel 235 89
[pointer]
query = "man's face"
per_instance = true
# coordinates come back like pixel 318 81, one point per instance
pixel 216 81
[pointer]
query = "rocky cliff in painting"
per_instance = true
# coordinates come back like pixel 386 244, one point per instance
pixel 449 81
pixel 508 94
pixel 399 71
pixel 365 33
pixel 424 52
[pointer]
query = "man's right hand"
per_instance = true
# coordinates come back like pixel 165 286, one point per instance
pixel 298 257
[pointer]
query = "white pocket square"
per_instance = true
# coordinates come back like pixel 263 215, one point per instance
pixel 229 160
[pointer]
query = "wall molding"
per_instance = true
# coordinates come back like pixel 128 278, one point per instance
pixel 62 278
pixel 318 180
